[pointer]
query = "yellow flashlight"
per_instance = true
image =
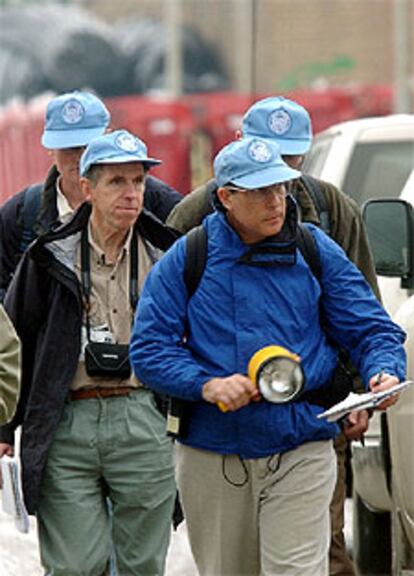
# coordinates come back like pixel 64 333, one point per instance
pixel 277 373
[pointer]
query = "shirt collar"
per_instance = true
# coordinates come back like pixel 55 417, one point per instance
pixel 100 254
pixel 64 209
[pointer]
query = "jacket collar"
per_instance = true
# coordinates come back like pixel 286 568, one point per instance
pixel 48 210
pixel 147 225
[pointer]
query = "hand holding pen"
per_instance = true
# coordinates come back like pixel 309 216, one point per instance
pixel 383 381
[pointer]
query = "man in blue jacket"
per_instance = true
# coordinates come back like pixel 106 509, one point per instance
pixel 256 478
pixel 319 202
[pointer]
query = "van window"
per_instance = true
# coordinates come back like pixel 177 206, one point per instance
pixel 315 160
pixel 378 170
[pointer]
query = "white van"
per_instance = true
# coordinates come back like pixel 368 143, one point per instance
pixel 372 158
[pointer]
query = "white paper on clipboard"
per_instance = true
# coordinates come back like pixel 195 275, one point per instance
pixel 354 402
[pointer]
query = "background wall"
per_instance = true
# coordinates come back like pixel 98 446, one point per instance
pixel 298 42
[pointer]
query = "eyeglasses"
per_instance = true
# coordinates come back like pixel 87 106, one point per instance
pixel 258 195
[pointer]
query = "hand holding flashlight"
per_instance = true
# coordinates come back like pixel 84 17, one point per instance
pixel 274 373
pixel 231 392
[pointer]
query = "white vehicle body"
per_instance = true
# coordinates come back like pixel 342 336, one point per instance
pixel 372 158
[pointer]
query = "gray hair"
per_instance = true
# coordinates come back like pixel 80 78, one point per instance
pixel 94 173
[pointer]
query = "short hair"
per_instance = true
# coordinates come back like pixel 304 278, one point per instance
pixel 94 172
pixel 217 202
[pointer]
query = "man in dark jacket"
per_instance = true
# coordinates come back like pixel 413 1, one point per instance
pixel 91 431
pixel 289 124
pixel 72 119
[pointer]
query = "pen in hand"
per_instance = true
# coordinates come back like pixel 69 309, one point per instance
pixel 379 378
pixel 382 388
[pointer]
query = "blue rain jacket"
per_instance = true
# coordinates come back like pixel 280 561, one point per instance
pixel 239 308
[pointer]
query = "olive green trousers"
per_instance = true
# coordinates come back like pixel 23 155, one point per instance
pixel 113 448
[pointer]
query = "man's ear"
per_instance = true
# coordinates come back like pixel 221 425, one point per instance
pixel 225 197
pixel 86 187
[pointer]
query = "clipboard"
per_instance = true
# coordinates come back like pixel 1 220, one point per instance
pixel 356 402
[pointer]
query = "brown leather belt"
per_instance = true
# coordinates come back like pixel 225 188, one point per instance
pixel 87 393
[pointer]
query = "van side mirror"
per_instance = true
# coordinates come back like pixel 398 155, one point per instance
pixel 389 225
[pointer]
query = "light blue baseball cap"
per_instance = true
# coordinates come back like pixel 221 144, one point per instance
pixel 118 147
pixel 252 163
pixel 73 119
pixel 282 120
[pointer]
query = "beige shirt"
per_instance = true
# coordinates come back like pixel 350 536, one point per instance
pixel 111 315
pixel 9 368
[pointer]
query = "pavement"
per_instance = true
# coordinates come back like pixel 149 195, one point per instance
pixel 19 552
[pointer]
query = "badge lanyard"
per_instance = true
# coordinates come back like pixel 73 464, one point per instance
pixel 86 275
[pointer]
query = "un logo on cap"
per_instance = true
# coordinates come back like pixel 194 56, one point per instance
pixel 259 151
pixel 279 122
pixel 127 142
pixel 72 112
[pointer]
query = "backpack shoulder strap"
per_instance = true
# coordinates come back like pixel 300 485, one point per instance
pixel 309 250
pixel 319 199
pixel 31 209
pixel 196 255
pixel 195 258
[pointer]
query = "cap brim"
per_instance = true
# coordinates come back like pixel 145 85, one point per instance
pixel 125 159
pixel 61 139
pixel 266 177
pixel 293 147
pixel 121 159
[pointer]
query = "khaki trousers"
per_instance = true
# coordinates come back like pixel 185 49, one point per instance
pixel 267 516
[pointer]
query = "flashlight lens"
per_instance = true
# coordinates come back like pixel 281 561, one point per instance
pixel 280 380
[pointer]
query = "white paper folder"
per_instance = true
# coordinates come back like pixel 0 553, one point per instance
pixel 12 496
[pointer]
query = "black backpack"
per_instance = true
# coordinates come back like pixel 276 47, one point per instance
pixel 31 209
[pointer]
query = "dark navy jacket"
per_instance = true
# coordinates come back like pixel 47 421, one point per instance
pixel 44 304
